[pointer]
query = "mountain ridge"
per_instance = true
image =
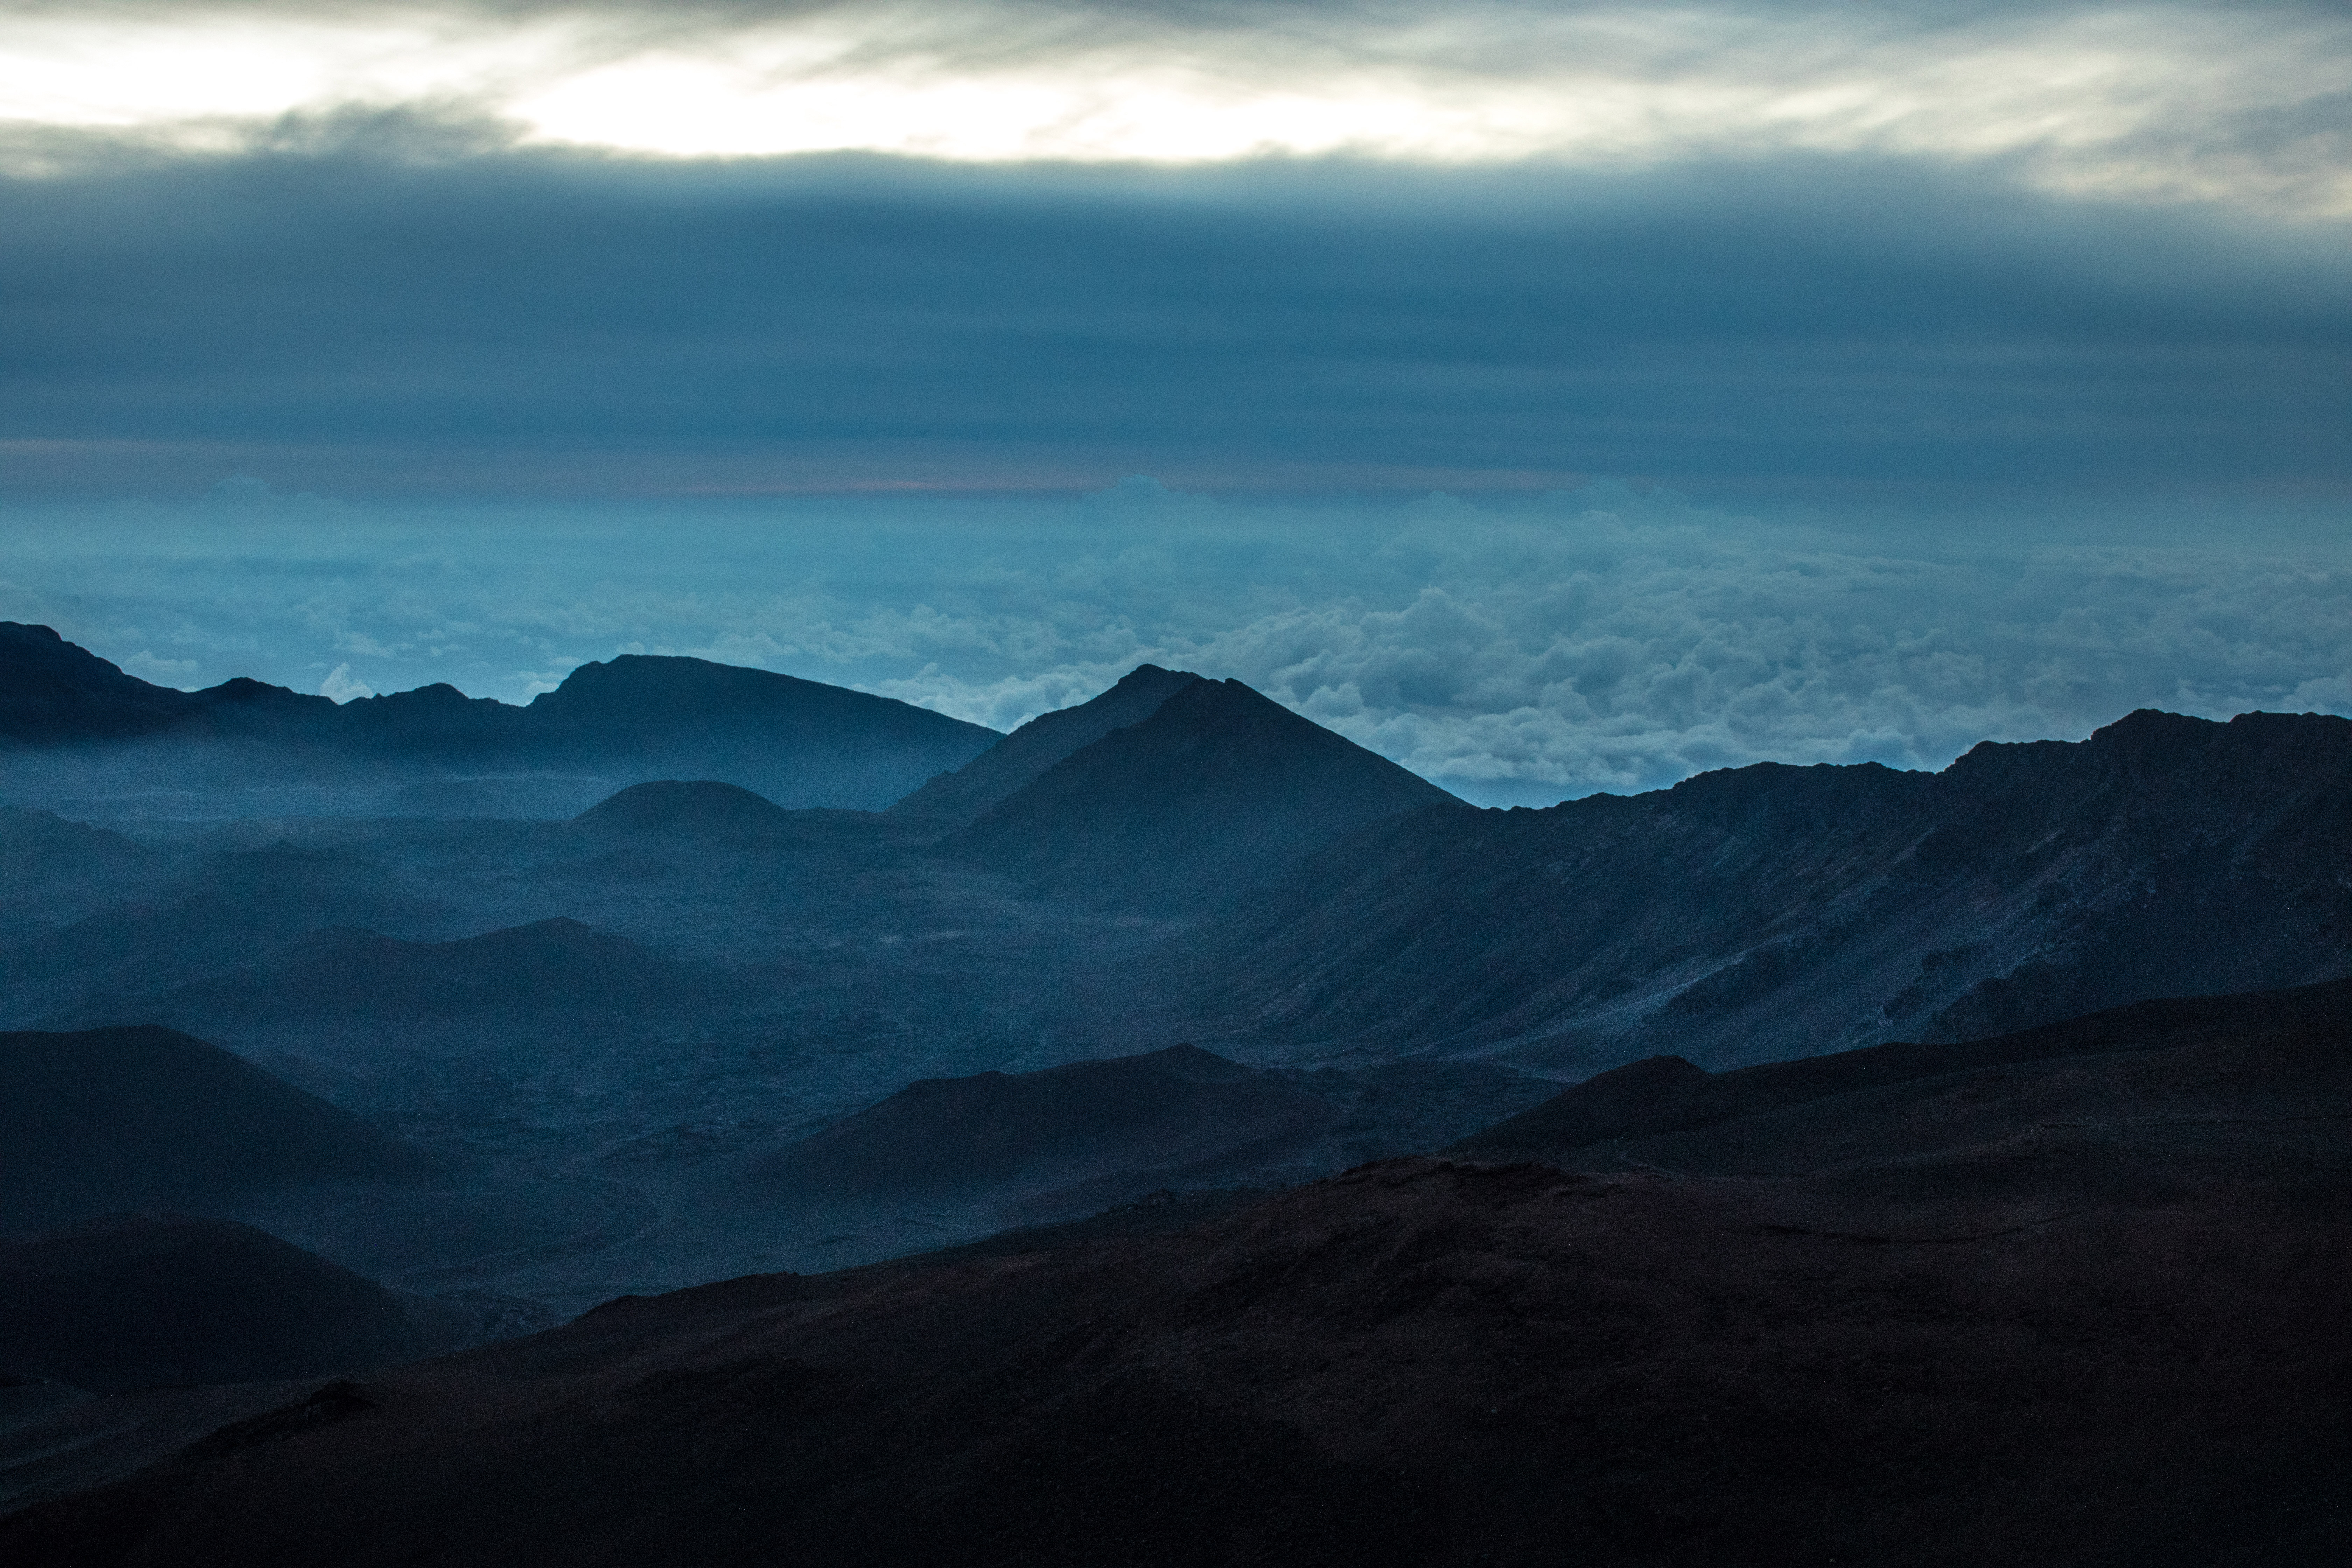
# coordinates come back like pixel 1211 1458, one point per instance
pixel 1218 790
pixel 1771 910
pixel 801 741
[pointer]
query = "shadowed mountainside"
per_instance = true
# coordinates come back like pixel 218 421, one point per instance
pixel 639 716
pixel 149 1118
pixel 2259 1057
pixel 1767 913
pixel 1147 1119
pixel 136 1301
pixel 1016 762
pixel 2115 1338
pixel 1218 791
pixel 40 848
pixel 219 913
pixel 357 977
pixel 54 694
pixel 684 809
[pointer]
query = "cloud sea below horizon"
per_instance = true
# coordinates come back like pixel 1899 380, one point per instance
pixel 1515 652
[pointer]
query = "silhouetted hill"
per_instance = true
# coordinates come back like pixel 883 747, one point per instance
pixel 356 978
pixel 1772 912
pixel 2112 1337
pixel 135 1302
pixel 1217 792
pixel 954 799
pixel 55 693
pixel 40 847
pixel 1000 1138
pixel 442 797
pixel 2281 1057
pixel 219 914
pixel 149 1118
pixel 672 809
pixel 800 742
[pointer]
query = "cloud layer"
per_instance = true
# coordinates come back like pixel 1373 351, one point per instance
pixel 2240 104
pixel 519 325
pixel 1514 653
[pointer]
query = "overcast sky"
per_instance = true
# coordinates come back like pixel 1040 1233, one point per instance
pixel 1950 318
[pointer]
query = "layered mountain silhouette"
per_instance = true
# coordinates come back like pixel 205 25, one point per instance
pixel 229 907
pixel 2114 1335
pixel 353 978
pixel 1016 761
pixel 1214 792
pixel 128 1301
pixel 802 742
pixel 146 1118
pixel 41 849
pixel 2266 1065
pixel 1085 1134
pixel 1769 911
pixel 694 809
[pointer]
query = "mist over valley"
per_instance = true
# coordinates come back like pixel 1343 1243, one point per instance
pixel 1052 783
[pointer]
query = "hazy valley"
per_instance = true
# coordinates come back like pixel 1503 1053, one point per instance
pixel 454 1020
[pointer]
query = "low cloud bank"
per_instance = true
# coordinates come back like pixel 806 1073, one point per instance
pixel 1516 654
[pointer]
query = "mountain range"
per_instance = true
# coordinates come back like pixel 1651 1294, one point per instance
pixel 1764 912
pixel 1798 1164
pixel 636 717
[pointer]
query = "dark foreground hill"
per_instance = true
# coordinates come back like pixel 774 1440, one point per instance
pixel 144 1118
pixel 357 978
pixel 1122 1126
pixel 1767 913
pixel 802 742
pixel 1217 792
pixel 2278 1059
pixel 138 1302
pixel 2114 1339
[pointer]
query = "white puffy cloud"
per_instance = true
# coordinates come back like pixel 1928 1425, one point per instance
pixel 342 687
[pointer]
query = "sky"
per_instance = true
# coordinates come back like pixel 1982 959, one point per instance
pixel 1553 397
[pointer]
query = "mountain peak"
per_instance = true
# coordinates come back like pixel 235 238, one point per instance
pixel 955 799
pixel 1218 790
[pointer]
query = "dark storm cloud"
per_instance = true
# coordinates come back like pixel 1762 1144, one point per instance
pixel 514 321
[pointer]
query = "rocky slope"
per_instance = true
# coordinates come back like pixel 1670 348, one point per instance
pixel 1109 1129
pixel 1218 791
pixel 1767 913
pixel 357 979
pixel 143 1118
pixel 1016 762
pixel 140 1301
pixel 2114 1337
